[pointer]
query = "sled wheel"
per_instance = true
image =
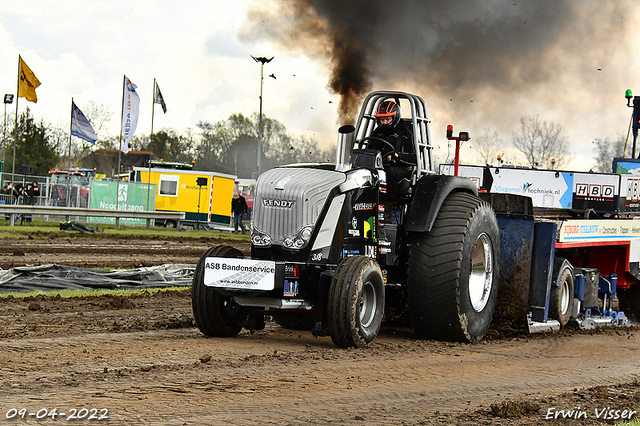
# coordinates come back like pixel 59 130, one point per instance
pixel 356 302
pixel 452 282
pixel 216 315
pixel 561 297
pixel 629 300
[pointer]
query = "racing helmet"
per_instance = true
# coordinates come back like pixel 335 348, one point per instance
pixel 388 109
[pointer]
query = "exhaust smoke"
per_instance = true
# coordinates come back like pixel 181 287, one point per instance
pixel 496 60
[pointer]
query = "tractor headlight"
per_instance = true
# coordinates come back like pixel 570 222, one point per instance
pixel 305 234
pixel 259 239
pixel 298 240
pixel 288 242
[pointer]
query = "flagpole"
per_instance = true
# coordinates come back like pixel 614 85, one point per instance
pixel 120 147
pixel 15 128
pixel 70 129
pixel 69 169
pixel 153 110
pixel 121 118
pixel 153 104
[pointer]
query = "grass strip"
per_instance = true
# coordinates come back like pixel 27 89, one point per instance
pixel 96 292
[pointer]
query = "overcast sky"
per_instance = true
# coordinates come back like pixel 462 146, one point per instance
pixel 200 54
pixel 82 49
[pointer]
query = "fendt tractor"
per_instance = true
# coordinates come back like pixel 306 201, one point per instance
pixel 332 254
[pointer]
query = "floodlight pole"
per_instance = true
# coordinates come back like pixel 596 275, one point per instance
pixel 633 102
pixel 262 61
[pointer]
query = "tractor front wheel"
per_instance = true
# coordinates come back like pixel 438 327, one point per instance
pixel 356 302
pixel 216 315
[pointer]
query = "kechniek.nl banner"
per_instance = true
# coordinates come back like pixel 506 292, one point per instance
pixel 122 196
pixel 547 188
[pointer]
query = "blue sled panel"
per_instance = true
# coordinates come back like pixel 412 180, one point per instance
pixel 544 244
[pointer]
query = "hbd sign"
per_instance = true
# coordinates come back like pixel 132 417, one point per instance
pixel 595 191
pixel 633 189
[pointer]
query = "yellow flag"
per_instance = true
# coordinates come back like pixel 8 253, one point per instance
pixel 27 83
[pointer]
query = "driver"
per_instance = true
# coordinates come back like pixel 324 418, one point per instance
pixel 398 156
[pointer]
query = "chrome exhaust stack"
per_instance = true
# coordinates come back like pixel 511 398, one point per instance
pixel 344 150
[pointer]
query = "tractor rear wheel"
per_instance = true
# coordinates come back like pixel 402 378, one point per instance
pixel 452 281
pixel 356 302
pixel 216 315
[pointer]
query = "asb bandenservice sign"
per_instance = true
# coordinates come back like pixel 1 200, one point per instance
pixel 241 274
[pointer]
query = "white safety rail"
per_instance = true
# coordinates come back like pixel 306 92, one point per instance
pixel 15 210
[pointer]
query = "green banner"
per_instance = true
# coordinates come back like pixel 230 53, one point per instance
pixel 130 196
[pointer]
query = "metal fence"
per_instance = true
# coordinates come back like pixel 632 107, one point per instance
pixel 51 194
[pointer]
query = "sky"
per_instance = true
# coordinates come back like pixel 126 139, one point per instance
pixel 479 64
pixel 82 50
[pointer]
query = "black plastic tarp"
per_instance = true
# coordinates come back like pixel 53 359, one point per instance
pixel 58 277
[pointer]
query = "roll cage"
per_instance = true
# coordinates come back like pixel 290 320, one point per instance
pixel 419 123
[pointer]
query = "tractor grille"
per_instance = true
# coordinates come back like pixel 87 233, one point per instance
pixel 283 212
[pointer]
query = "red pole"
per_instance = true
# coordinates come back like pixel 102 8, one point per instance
pixel 450 136
pixel 457 157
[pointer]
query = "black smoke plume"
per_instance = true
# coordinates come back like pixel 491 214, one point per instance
pixel 450 49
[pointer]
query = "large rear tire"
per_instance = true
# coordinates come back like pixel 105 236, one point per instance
pixel 561 297
pixel 216 315
pixel 356 302
pixel 452 282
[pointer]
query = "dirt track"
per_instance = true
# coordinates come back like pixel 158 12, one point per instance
pixel 142 360
pixel 102 251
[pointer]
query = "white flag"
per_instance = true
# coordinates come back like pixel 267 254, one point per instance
pixel 130 112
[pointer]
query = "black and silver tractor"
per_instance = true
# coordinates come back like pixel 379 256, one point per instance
pixel 330 254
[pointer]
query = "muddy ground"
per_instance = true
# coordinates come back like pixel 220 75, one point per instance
pixel 105 251
pixel 140 360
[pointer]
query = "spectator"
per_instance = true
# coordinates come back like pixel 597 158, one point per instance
pixel 17 191
pixel 7 198
pixel 6 190
pixel 30 197
pixel 34 193
pixel 239 209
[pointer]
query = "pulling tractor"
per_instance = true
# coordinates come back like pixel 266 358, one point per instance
pixel 331 254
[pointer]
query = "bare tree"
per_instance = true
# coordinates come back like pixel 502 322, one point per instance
pixel 606 151
pixel 488 146
pixel 59 137
pixel 541 142
pixel 211 146
pixel 307 150
pixel 99 116
pixel 231 145
pixel 299 149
